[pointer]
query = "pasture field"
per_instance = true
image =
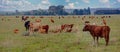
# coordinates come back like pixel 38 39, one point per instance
pixel 77 41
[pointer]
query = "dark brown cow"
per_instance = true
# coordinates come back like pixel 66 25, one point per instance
pixel 109 16
pixel 17 16
pixel 59 17
pixel 41 17
pixel 24 18
pixel 45 27
pixel 103 17
pixel 98 31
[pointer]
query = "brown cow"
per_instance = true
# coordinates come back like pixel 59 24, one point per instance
pixel 59 17
pixel 67 27
pixel 41 17
pixel 98 31
pixel 35 27
pixel 45 28
pixel 17 16
pixel 109 16
pixel 78 16
pixel 62 16
pixel 37 20
pixel 52 20
pixel 24 18
pixel 16 31
pixel 33 17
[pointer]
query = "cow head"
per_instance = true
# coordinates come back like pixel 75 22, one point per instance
pixel 87 26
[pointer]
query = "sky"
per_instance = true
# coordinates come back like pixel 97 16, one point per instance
pixel 24 5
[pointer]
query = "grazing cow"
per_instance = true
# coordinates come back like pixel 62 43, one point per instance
pixel 36 27
pixel 109 16
pixel 37 20
pixel 103 17
pixel 78 16
pixel 41 17
pixel 32 17
pixel 16 31
pixel 83 18
pixel 98 31
pixel 17 16
pixel 45 28
pixel 62 16
pixel 59 17
pixel 67 27
pixel 24 18
pixel 27 25
pixel 52 20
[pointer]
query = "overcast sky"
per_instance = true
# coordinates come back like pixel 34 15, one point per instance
pixel 10 5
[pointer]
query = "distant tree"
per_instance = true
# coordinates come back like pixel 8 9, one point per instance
pixel 76 12
pixel 52 10
pixel 101 12
pixel 89 11
pixel 57 10
pixel 81 12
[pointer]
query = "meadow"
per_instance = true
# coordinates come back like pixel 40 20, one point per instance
pixel 78 41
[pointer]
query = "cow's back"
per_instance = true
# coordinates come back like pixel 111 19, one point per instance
pixel 101 31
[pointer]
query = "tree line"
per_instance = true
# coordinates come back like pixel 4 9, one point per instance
pixel 56 10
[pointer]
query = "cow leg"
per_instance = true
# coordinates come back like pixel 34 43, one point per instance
pixel 107 39
pixel 27 28
pixel 97 41
pixel 93 41
pixel 46 30
pixel 31 31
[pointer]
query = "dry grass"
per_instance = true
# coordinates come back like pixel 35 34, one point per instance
pixel 56 42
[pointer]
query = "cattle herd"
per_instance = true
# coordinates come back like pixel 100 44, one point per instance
pixel 95 30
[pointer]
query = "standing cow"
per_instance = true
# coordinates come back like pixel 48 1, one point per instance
pixel 98 31
pixel 27 25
